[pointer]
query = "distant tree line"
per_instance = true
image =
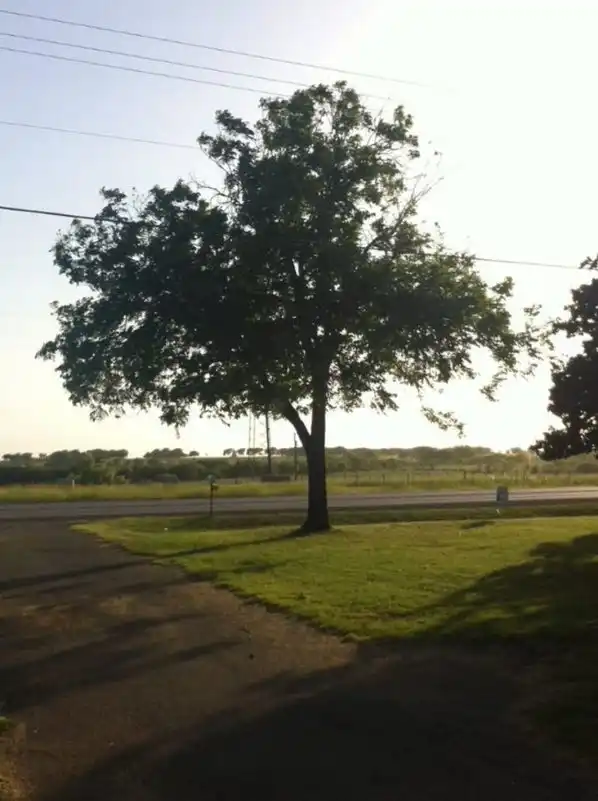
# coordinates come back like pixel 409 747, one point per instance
pixel 163 465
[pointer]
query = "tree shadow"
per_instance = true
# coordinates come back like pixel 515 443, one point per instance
pixel 477 524
pixel 65 631
pixel 249 567
pixel 32 582
pixel 294 534
pixel 553 594
pixel 372 729
pixel 423 722
pixel 69 630
pixel 123 650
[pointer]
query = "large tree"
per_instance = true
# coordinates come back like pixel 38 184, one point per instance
pixel 574 391
pixel 303 282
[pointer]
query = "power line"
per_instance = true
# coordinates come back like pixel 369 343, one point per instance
pixel 511 262
pixel 212 48
pixel 98 135
pixel 138 71
pixel 528 263
pixel 153 59
pixel 46 213
pixel 168 61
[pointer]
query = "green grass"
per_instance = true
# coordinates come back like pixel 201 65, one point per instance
pixel 366 483
pixel 532 581
pixel 476 579
pixel 6 725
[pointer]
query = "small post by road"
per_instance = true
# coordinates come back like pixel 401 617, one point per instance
pixel 268 443
pixel 213 488
pixel 502 498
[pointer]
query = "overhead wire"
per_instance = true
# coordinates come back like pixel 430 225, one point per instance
pixel 168 61
pixel 46 213
pixel 137 70
pixel 528 263
pixel 188 79
pixel 487 259
pixel 212 48
pixel 98 135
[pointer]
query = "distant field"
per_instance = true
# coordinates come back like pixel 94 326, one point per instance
pixel 528 583
pixel 365 483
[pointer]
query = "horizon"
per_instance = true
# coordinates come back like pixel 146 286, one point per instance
pixel 241 451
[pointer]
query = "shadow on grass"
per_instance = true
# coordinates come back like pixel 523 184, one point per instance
pixel 477 524
pixel 294 534
pixel 546 610
pixel 553 594
pixel 248 567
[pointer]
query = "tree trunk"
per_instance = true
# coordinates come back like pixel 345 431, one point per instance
pixel 314 444
pixel 317 498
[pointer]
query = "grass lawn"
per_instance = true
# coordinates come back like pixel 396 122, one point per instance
pixel 521 580
pixel 475 579
pixel 367 483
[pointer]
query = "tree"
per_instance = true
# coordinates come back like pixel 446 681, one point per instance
pixel 303 283
pixel 72 460
pixel 102 455
pixel 165 453
pixel 574 391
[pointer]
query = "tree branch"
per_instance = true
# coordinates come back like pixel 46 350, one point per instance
pixel 289 412
pixel 416 195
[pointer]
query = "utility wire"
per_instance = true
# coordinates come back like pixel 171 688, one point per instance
pixel 138 71
pixel 200 46
pixel 46 213
pixel 168 61
pixel 528 263
pixel 512 262
pixel 98 135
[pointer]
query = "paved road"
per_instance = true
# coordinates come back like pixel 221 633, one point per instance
pixel 94 509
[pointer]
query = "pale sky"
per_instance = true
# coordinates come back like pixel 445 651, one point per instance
pixel 511 106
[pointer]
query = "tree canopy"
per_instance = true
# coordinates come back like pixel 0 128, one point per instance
pixel 574 391
pixel 304 282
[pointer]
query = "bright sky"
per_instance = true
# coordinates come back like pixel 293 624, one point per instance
pixel 511 107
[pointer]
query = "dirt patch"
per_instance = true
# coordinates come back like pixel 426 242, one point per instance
pixel 13 784
pixel 136 683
